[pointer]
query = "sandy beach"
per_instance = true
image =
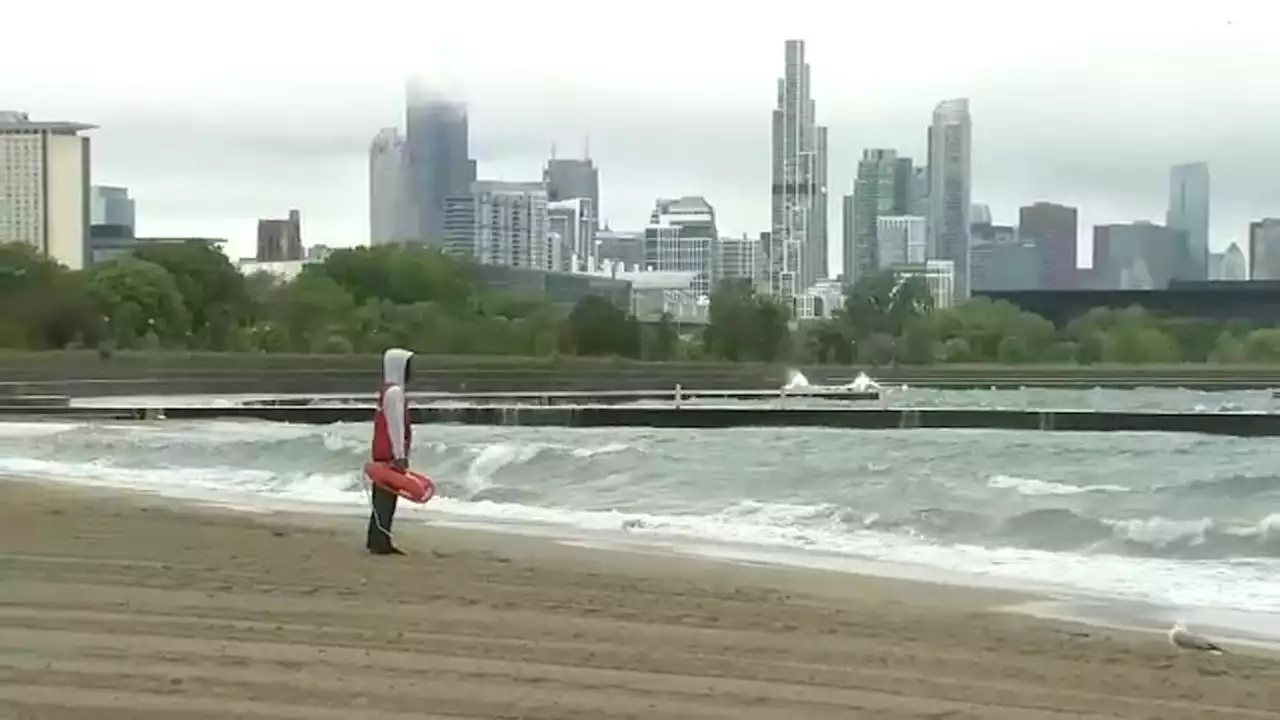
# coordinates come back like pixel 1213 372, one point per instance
pixel 116 606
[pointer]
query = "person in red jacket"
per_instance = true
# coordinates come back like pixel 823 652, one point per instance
pixel 392 437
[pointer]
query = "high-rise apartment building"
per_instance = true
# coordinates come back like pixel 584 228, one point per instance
pixel 1189 212
pixel 1264 249
pixel 798 241
pixel 437 138
pixel 500 223
pixel 390 210
pixel 44 187
pixel 281 239
pixel 110 205
pixel 950 188
pixel 1054 230
pixel 572 224
pixel 681 237
pixel 876 192
pixel 569 179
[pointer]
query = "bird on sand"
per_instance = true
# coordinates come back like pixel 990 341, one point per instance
pixel 1183 639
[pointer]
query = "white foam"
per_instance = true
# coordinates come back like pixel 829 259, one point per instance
pixel 35 429
pixel 1031 486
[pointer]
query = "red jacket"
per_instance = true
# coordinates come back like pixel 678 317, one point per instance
pixel 383 449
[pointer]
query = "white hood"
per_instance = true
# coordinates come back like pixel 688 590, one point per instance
pixel 394 363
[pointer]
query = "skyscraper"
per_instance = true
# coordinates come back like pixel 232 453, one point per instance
pixel 874 194
pixel 44 187
pixel 950 188
pixel 569 179
pixel 439 163
pixel 110 205
pixel 1053 228
pixel 1189 212
pixel 798 204
pixel 390 213
pixel 1264 249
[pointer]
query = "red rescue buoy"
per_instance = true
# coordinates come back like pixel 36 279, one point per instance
pixel 408 484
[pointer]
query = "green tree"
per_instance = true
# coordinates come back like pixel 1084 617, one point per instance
pixel 659 340
pixel 402 275
pixel 212 289
pixel 141 302
pixel 46 305
pixel 312 310
pixel 598 327
pixel 745 326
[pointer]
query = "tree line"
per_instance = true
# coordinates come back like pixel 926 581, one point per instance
pixel 364 300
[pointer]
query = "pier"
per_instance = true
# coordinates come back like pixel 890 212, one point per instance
pixel 705 417
pixel 676 395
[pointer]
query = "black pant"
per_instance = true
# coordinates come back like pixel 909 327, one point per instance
pixel 384 511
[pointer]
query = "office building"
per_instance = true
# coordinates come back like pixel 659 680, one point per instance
pixel 44 187
pixel 569 179
pixel 950 188
pixel 1234 266
pixel 1189 212
pixel 572 224
pixel 501 223
pixel 1054 229
pixel 620 247
pixel 110 205
pixel 439 165
pixel 1264 249
pixel 680 237
pixel 280 239
pixel 1137 256
pixel 797 253
pixel 738 259
pixel 938 275
pixel 875 192
pixel 1000 258
pixel 390 210
pixel 901 239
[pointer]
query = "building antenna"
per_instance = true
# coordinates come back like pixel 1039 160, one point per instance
pixel 586 146
pixel 553 151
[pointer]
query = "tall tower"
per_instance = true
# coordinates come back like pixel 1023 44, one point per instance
pixel 389 209
pixel 438 158
pixel 874 195
pixel 1189 212
pixel 951 188
pixel 797 252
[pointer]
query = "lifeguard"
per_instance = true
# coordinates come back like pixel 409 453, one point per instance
pixel 388 466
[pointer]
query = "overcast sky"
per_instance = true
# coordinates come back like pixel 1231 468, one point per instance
pixel 246 109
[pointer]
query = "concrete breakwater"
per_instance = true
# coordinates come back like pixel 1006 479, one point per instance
pixel 82 373
pixel 1222 423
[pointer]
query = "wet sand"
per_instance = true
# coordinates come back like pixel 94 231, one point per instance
pixel 117 606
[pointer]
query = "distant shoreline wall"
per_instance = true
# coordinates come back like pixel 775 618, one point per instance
pixel 86 374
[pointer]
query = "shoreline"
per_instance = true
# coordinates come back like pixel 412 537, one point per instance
pixel 118 604
pixel 1258 630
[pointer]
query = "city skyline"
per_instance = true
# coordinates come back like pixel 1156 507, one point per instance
pixel 208 149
